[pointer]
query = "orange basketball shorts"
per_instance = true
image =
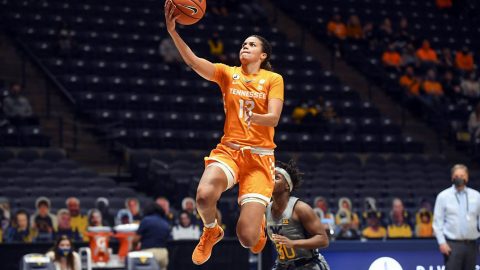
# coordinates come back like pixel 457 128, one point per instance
pixel 252 168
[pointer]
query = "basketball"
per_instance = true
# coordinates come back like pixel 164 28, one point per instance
pixel 190 11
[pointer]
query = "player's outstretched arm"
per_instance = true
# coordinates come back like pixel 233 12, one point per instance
pixel 312 225
pixel 203 67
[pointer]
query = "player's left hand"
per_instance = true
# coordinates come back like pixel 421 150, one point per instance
pixel 248 117
pixel 282 240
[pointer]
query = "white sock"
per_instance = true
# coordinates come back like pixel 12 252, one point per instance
pixel 211 225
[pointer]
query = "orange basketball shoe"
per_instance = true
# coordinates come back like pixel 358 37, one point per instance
pixel 209 238
pixel 262 241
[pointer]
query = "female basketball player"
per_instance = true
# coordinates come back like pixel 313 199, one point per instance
pixel 253 101
pixel 293 226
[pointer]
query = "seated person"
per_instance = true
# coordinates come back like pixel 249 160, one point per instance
pixel 424 222
pixel 374 229
pixel 20 231
pixel 65 226
pixel 345 228
pixel 44 222
pixel 185 230
pixel 346 203
pixel 398 226
pixel 63 255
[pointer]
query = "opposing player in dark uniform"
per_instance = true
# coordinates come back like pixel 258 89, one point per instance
pixel 293 226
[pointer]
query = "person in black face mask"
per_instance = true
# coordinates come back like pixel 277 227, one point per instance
pixel 63 255
pixel 455 222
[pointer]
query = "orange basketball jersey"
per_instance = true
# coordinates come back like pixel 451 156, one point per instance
pixel 242 92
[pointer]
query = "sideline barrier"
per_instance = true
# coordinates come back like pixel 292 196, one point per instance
pixel 411 254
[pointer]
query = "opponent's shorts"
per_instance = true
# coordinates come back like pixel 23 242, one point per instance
pixel 251 167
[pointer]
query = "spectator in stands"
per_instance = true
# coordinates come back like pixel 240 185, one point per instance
pixel 346 203
pixel 402 36
pixel 78 221
pixel 408 56
pixel 44 222
pixel 354 28
pixel 16 106
pixel 170 214
pixel 95 218
pixel 446 59
pixel 65 40
pixel 370 35
pixel 431 90
pixel 65 226
pixel 398 226
pixel 443 4
pixel 455 221
pixel 102 204
pixel 189 206
pixel 337 31
pixel 299 112
pixel 391 58
pixel 464 60
pixel 374 229
pixel 133 206
pixel 385 31
pixel 153 233
pixel 123 217
pixel 409 81
pixel 345 227
pixel 369 204
pixel 5 214
pixel 185 230
pixel 470 86
pixel 474 122
pixel 451 85
pixel 169 52
pixel 329 114
pixel 63 255
pixel 321 208
pixel 20 229
pixel 424 221
pixel 215 44
pixel 426 55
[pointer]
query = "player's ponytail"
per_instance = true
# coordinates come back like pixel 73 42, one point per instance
pixel 266 48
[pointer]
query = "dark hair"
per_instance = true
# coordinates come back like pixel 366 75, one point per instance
pixel 266 48
pixel 153 209
pixel 293 171
pixel 20 212
pixel 70 263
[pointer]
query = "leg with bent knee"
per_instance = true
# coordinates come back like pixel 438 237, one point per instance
pixel 249 225
pixel 212 184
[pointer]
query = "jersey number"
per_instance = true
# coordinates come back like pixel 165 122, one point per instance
pixel 284 252
pixel 245 104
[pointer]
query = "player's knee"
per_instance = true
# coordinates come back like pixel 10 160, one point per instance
pixel 203 198
pixel 247 236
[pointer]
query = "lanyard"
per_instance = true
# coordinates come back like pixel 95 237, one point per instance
pixel 466 198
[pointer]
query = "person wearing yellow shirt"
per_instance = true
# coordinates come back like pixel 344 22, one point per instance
pixel 346 203
pixel 374 229
pixel 398 227
pixel 78 221
pixel 424 222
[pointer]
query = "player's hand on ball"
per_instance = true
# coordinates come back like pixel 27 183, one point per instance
pixel 282 240
pixel 169 18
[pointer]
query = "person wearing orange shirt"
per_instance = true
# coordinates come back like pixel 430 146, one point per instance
pixel 337 31
pixel 443 4
pixel 464 60
pixel 424 222
pixel 354 28
pixel 253 101
pixel 431 86
pixel 337 28
pixel 391 58
pixel 426 53
pixel 410 82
